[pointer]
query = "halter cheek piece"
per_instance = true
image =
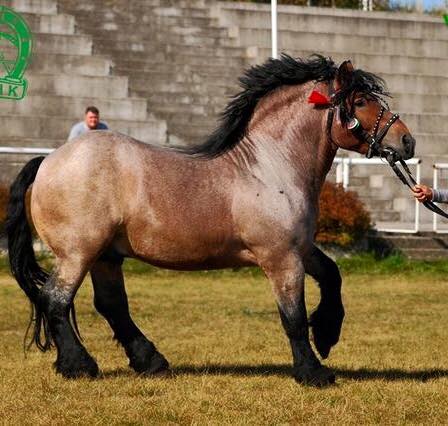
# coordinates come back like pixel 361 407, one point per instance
pixel 373 139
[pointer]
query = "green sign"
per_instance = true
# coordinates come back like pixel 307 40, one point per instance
pixel 12 84
pixel 446 18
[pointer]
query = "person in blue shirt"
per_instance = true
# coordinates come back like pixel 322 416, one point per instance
pixel 425 193
pixel 91 122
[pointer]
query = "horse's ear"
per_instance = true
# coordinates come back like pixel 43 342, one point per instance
pixel 343 75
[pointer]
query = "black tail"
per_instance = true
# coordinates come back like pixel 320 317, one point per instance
pixel 22 259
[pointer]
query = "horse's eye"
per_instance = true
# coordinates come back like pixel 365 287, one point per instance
pixel 360 102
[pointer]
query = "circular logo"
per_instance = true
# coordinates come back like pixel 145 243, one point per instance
pixel 12 84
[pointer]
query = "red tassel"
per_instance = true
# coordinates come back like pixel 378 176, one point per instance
pixel 318 98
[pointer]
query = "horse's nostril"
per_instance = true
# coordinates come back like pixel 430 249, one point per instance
pixel 408 143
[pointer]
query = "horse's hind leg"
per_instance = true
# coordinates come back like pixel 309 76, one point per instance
pixel 326 320
pixel 111 301
pixel 55 299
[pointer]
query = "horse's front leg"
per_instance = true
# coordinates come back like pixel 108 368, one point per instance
pixel 287 275
pixel 326 320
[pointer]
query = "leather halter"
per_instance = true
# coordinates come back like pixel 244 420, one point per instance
pixel 373 140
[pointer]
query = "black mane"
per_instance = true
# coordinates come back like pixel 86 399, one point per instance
pixel 260 80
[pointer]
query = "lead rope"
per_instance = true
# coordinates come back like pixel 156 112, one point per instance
pixel 393 164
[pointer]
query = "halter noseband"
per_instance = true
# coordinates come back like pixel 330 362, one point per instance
pixel 374 139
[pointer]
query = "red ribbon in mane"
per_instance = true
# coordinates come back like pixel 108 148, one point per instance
pixel 318 98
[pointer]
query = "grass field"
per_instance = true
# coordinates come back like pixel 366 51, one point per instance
pixel 231 360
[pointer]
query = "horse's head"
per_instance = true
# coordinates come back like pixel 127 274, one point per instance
pixel 359 119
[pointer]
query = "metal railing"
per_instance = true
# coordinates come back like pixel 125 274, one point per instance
pixel 11 150
pixel 343 176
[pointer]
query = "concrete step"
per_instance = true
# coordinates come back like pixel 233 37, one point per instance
pixel 191 135
pixel 372 24
pixel 417 102
pixel 425 254
pixel 426 241
pixel 157 66
pixel 88 5
pixel 54 24
pixel 134 11
pixel 347 44
pixel 382 215
pixel 207 123
pixel 179 74
pixel 416 84
pixel 118 109
pixel 153 130
pixel 78 85
pixel 176 93
pixel 174 10
pixel 174 108
pixel 161 59
pixel 58 127
pixel 150 44
pixel 56 64
pixel 144 22
pixel 158 40
pixel 431 144
pixel 221 93
pixel 151 32
pixel 377 62
pixel 31 143
pixel 41 7
pixel 422 246
pixel 62 43
pixel 425 123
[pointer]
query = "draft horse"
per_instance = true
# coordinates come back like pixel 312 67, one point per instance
pixel 247 196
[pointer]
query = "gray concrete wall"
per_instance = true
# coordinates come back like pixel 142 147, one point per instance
pixel 64 76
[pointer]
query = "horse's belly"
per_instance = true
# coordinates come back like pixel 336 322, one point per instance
pixel 189 251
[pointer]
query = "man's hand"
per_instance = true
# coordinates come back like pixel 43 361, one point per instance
pixel 422 193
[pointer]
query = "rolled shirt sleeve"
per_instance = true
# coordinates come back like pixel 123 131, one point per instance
pixel 440 195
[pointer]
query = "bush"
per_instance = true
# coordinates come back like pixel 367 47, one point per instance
pixel 343 4
pixel 343 219
pixel 4 198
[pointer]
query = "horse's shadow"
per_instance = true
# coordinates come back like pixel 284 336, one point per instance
pixel 392 374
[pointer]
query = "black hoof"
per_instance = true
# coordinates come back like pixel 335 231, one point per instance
pixel 74 366
pixel 144 358
pixel 318 377
pixel 156 365
pixel 326 323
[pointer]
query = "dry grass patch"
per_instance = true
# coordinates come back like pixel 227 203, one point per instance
pixel 231 360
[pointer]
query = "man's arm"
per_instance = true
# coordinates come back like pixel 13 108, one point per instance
pixel 76 131
pixel 425 193
pixel 440 195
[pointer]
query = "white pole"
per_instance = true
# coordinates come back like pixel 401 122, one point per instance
pixel 274 28
pixel 417 203
pixel 435 185
pixel 346 173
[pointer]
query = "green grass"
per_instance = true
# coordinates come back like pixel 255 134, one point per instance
pixel 230 358
pixel 362 263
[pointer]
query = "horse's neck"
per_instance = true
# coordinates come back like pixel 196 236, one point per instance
pixel 286 141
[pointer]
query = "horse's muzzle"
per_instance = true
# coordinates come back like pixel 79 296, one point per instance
pixel 408 143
